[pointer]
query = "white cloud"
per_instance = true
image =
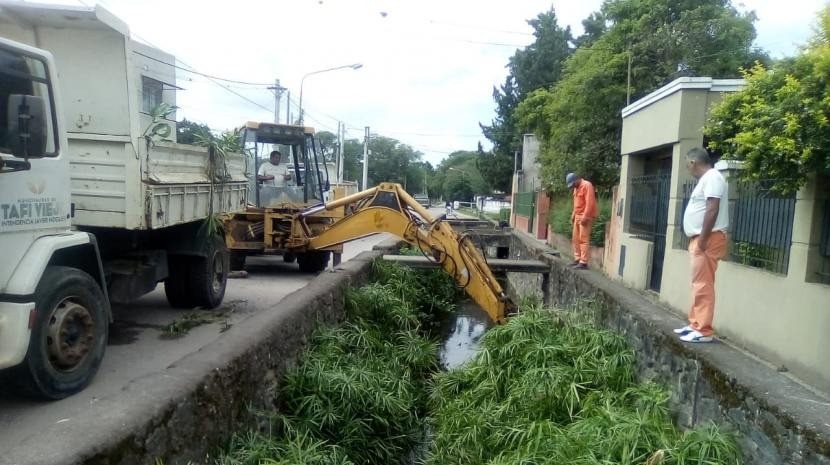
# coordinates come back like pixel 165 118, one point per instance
pixel 429 65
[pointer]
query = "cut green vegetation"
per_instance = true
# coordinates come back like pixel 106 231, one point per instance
pixel 182 325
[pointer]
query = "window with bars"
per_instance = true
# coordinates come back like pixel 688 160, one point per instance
pixel 151 94
pixel 761 225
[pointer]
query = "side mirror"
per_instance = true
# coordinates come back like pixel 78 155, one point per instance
pixel 27 125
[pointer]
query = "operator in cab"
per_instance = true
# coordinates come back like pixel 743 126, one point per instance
pixel 272 173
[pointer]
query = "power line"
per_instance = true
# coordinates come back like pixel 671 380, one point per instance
pixel 480 28
pixel 209 76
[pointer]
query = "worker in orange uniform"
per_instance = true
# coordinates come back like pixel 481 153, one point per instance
pixel 583 216
pixel 705 221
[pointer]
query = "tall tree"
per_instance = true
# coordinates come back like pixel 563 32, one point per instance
pixel 389 160
pixel 778 124
pixel 187 131
pixel 536 66
pixel 458 178
pixel 578 120
pixel 328 145
pixel 497 170
pixel 352 156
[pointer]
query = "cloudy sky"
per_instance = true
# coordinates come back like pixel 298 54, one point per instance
pixel 429 66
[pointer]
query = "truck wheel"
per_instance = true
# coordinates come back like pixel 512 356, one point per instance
pixel 69 335
pixel 313 262
pixel 209 275
pixel 175 286
pixel 289 257
pixel 237 262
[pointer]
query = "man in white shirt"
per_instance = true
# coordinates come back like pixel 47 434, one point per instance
pixel 272 173
pixel 705 221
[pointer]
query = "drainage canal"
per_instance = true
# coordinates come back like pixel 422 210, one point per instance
pixel 405 380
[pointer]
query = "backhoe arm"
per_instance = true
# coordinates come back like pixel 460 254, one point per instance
pixel 389 208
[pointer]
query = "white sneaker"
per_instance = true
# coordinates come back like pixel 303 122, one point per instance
pixel 683 331
pixel 696 336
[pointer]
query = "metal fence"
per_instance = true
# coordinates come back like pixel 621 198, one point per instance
pixel 649 205
pixel 824 249
pixel 763 227
pixel 525 203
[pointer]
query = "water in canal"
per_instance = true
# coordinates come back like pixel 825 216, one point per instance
pixel 461 334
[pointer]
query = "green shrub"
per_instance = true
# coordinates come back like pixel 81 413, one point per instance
pixel 559 218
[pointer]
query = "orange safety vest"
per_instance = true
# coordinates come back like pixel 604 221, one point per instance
pixel 585 200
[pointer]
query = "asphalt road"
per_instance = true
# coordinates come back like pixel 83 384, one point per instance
pixel 147 336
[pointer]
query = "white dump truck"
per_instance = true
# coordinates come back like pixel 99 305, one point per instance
pixel 95 208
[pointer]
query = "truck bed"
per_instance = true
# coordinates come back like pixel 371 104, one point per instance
pixel 118 183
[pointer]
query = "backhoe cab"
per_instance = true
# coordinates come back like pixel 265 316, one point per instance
pixel 300 180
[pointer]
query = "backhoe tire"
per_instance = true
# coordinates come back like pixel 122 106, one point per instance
pixel 69 336
pixel 209 275
pixel 313 262
pixel 237 261
pixel 176 284
pixel 289 257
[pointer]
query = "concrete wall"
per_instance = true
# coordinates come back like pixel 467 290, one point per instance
pixel 778 420
pixel 529 179
pixel 159 68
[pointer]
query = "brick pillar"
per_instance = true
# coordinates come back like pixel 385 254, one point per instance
pixel 542 209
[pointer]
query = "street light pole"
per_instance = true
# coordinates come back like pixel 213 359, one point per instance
pixel 365 159
pixel 302 81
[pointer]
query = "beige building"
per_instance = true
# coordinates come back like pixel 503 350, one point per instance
pixel 773 291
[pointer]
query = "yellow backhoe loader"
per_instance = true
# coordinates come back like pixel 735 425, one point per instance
pixel 309 228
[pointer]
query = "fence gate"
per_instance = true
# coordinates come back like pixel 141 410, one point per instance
pixel 649 218
pixel 526 206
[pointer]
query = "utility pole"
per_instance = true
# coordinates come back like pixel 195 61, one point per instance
pixel 365 159
pixel 341 154
pixel 288 108
pixel 628 86
pixel 278 90
pixel 338 152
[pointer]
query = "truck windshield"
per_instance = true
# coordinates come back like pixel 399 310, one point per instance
pixel 23 75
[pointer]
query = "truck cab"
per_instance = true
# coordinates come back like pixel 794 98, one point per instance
pixel 54 309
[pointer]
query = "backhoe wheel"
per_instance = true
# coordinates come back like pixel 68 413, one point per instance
pixel 313 262
pixel 68 338
pixel 289 257
pixel 175 286
pixel 209 275
pixel 237 262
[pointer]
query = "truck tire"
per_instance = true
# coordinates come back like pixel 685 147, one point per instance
pixel 175 286
pixel 237 261
pixel 69 335
pixel 208 275
pixel 313 262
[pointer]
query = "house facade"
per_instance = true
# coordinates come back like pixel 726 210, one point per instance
pixel 773 292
